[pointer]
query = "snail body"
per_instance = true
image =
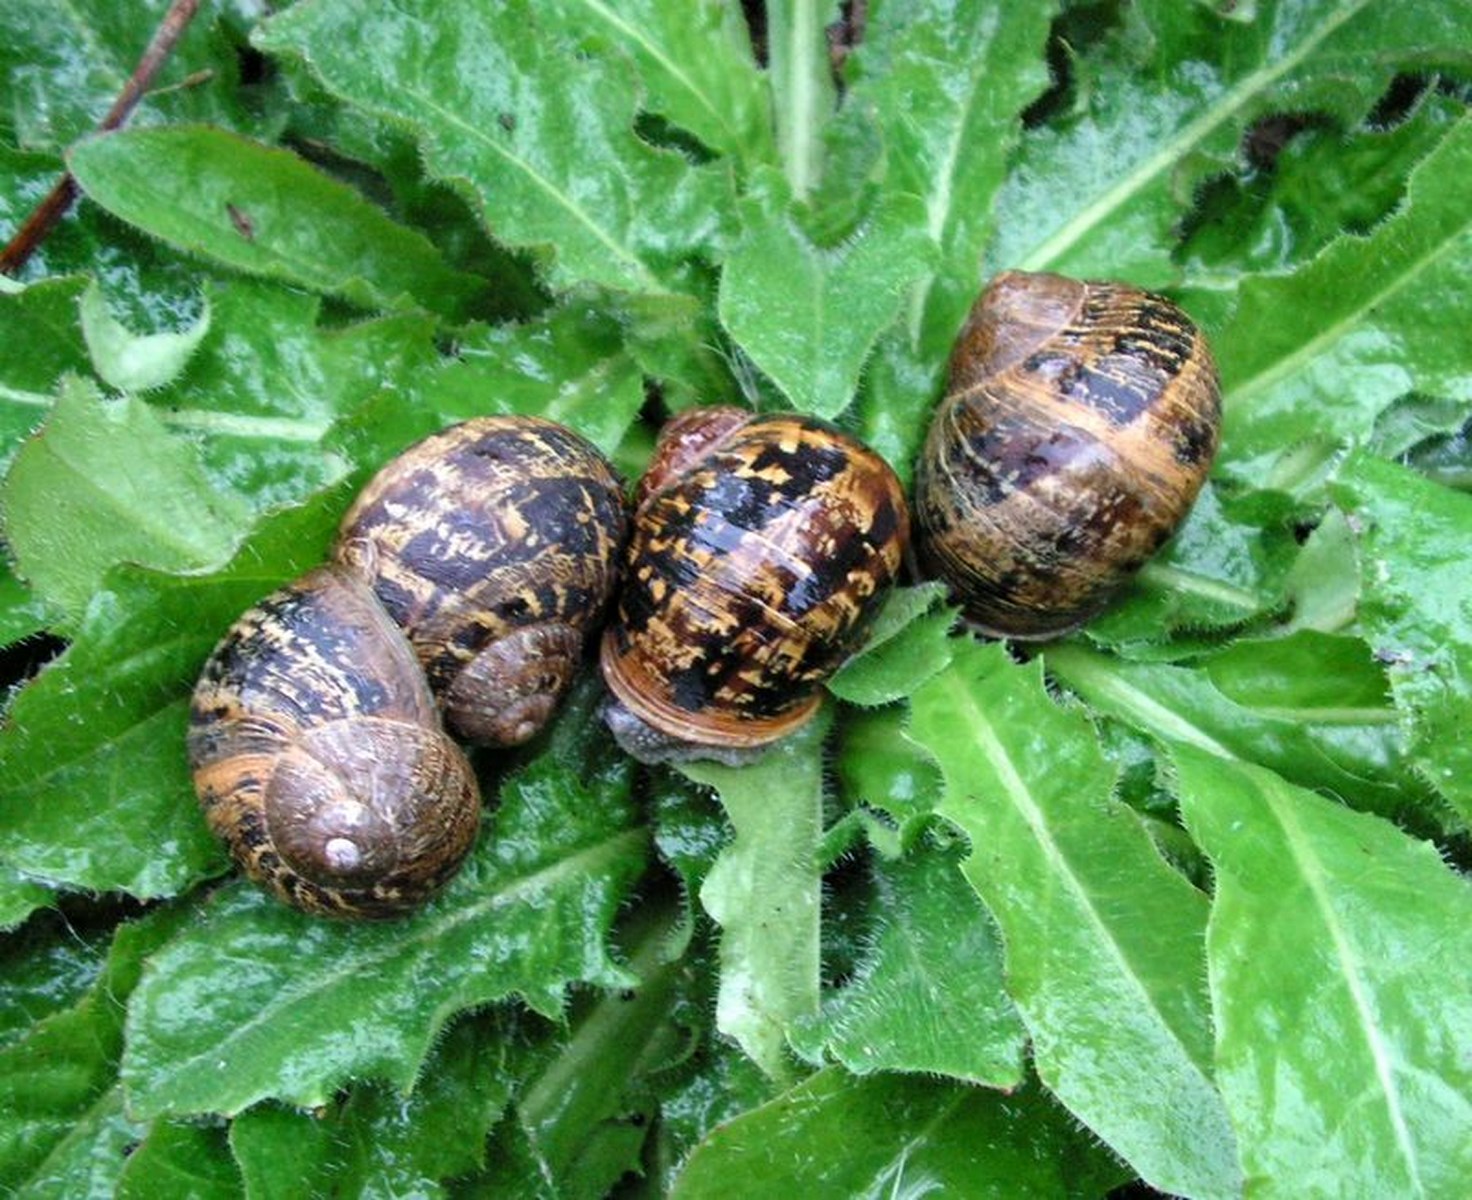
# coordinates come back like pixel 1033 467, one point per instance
pixel 318 755
pixel 1079 424
pixel 494 545
pixel 757 562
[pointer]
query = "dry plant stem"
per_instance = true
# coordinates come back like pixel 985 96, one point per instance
pixel 60 198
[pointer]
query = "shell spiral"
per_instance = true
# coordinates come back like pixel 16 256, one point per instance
pixel 1079 425
pixel 318 756
pixel 754 570
pixel 494 545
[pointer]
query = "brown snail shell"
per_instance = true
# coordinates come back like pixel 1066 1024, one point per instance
pixel 318 755
pixel 494 544
pixel 755 569
pixel 1079 424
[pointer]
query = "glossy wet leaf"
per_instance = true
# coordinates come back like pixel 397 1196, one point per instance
pixel 549 151
pixel 96 791
pixel 1379 326
pixel 881 768
pixel 928 995
pixel 43 342
pixel 1164 101
pixel 892 1135
pixel 75 505
pixel 134 362
pixel 266 212
pixel 1104 941
pixel 1416 607
pixel 44 968
pixel 764 892
pixel 1337 950
pixel 1315 707
pixel 808 314
pixel 267 991
pixel 906 646
pixel 176 1159
pixel 20 896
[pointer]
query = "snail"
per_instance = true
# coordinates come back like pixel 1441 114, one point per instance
pixel 762 548
pixel 318 755
pixel 1079 424
pixel 494 545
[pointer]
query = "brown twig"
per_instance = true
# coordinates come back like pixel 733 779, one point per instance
pixel 60 198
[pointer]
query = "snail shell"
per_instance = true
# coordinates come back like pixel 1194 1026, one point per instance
pixel 1079 424
pixel 494 545
pixel 757 563
pixel 318 755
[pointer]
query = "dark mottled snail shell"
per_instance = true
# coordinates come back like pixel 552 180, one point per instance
pixel 755 569
pixel 318 755
pixel 1079 424
pixel 494 544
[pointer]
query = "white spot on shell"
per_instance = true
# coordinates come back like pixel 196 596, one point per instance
pixel 342 854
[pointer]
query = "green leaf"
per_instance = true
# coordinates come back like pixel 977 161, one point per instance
pixel 1312 706
pixel 889 1135
pixel 1104 941
pixel 376 1142
pixel 133 362
pixel 1416 608
pixel 96 792
pixel 75 504
pixel 696 63
pixel 881 768
pixel 1375 324
pixel 62 68
pixel 1337 951
pixel 808 314
pixel 43 343
pixel 928 996
pixel 543 138
pixel 802 85
pixel 45 967
pixel 1164 102
pixel 190 1162
pixel 59 1103
pixel 907 645
pixel 764 892
pixel 267 990
pixel 20 896
pixel 267 212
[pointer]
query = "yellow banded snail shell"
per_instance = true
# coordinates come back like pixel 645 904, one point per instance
pixel 494 544
pixel 1079 424
pixel 759 557
pixel 318 755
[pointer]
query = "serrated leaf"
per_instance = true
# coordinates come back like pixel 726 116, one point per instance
pixel 808 314
pixel 764 892
pixel 946 80
pixel 179 1160
pixel 880 768
pixel 43 343
pixel 1337 951
pixel 267 990
pixel 915 1137
pixel 695 61
pixel 928 995
pixel 75 503
pixel 545 138
pixel 906 646
pixel 96 792
pixel 1104 941
pixel 1165 101
pixel 133 362
pixel 375 1142
pixel 1416 607
pixel 1312 706
pixel 1376 323
pixel 58 1095
pixel 262 210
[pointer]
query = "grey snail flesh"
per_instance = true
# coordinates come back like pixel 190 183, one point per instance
pixel 318 756
pixel 1079 424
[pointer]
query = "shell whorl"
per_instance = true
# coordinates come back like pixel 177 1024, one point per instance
pixel 1079 425
pixel 749 578
pixel 481 531
pixel 318 757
